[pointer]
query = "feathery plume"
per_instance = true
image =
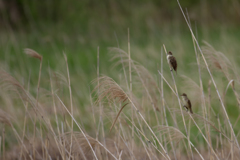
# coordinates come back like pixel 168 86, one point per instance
pixel 32 53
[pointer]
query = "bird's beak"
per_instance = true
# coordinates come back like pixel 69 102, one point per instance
pixel 181 95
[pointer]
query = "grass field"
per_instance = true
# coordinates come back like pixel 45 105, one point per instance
pixel 50 115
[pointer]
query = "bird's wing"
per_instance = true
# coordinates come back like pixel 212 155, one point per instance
pixel 189 104
pixel 173 62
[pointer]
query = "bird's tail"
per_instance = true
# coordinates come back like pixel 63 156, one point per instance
pixel 191 110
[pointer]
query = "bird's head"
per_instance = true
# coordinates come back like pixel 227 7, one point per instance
pixel 170 53
pixel 184 94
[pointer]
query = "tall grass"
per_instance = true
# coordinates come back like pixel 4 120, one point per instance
pixel 137 116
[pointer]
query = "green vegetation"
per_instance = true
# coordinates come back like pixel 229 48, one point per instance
pixel 31 128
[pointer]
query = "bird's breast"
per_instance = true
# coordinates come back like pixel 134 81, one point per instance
pixel 185 101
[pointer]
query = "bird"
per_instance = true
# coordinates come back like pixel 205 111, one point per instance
pixel 187 102
pixel 172 61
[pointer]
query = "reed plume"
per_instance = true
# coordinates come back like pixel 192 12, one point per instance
pixel 110 90
pixel 32 53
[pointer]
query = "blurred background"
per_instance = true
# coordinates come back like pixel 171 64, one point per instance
pixel 18 14
pixel 78 28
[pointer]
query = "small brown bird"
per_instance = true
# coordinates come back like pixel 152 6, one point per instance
pixel 172 61
pixel 187 103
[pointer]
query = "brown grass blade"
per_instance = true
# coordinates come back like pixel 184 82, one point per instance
pixel 32 53
pixel 117 116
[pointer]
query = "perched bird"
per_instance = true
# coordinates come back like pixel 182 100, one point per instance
pixel 172 61
pixel 187 103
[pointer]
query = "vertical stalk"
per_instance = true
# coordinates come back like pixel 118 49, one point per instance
pixel 85 136
pixel 3 135
pixel 203 136
pixel 100 107
pixel 0 146
pixel 183 134
pixel 221 142
pixel 39 78
pixel 130 86
pixel 54 105
pixel 232 148
pixel 71 104
pixel 203 104
pixel 25 119
pixel 163 103
pixel 219 96
pixel 180 105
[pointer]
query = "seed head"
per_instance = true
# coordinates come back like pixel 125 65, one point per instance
pixel 32 53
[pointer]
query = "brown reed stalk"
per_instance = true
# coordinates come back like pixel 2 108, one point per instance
pixel 0 146
pixel 148 94
pixel 179 133
pixel 91 101
pixel 204 136
pixel 3 137
pixel 78 127
pixel 123 66
pixel 63 142
pixel 126 80
pixel 117 116
pixel 100 107
pixel 53 101
pixel 71 102
pixel 141 132
pixel 34 54
pixel 220 135
pixel 180 105
pixel 19 138
pixel 222 63
pixel 194 114
pixel 24 95
pixel 224 94
pixel 130 87
pixel 221 101
pixel 204 108
pixel 143 76
pixel 25 118
pixel 163 104
pixel 110 90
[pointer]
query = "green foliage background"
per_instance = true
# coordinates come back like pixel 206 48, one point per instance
pixel 77 28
